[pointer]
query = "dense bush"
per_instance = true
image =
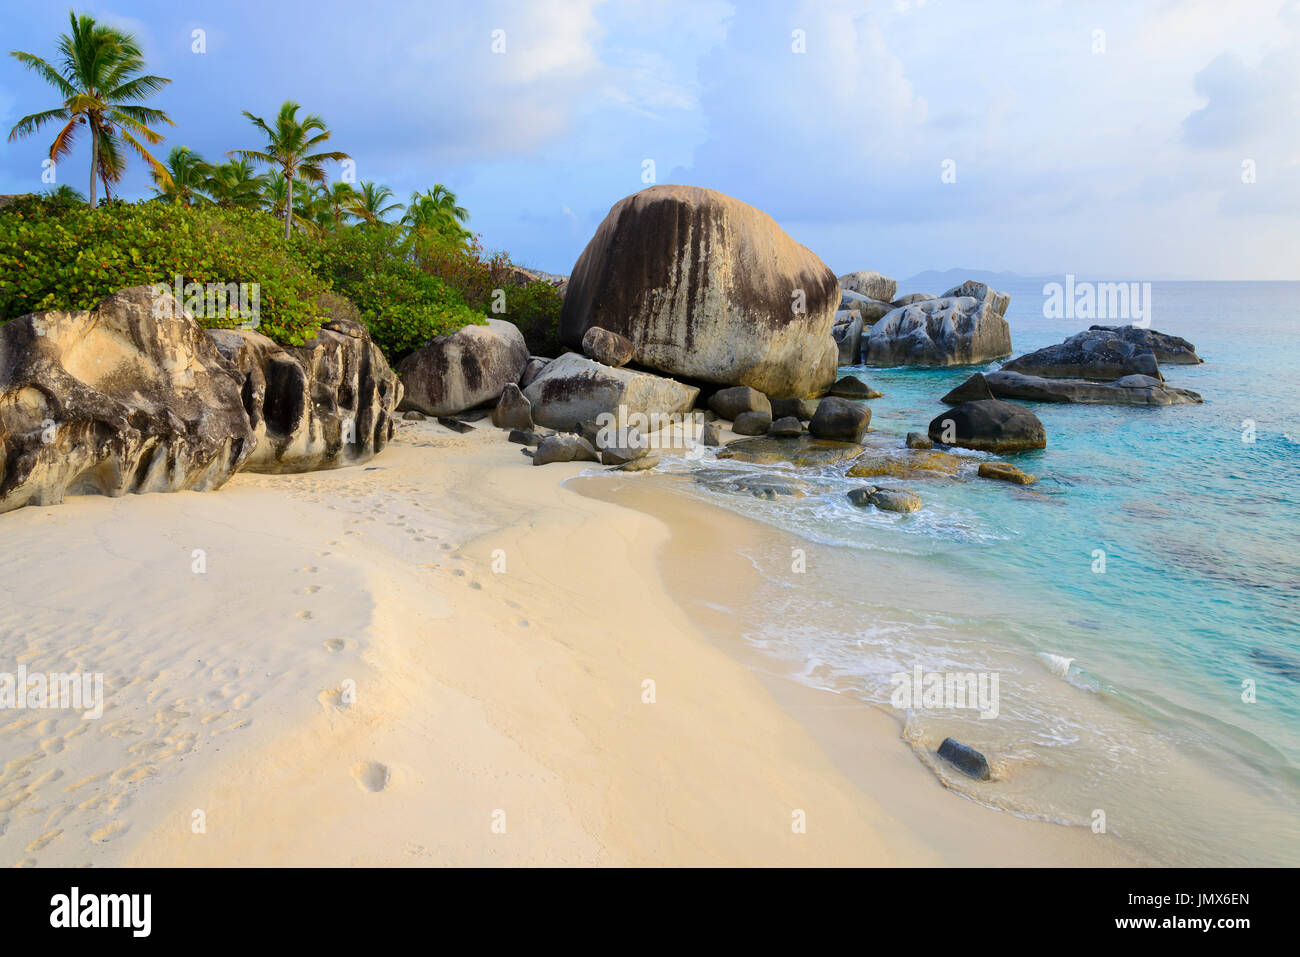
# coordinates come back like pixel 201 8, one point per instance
pixel 63 255
pixel 57 254
pixel 535 309
pixel 402 305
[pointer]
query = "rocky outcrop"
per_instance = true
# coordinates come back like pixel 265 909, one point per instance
pixel 847 333
pixel 851 387
pixel 1129 390
pixel 869 283
pixel 786 428
pixel 1005 472
pixel 752 423
pixel 973 389
pixel 981 292
pixel 532 369
pixel 734 402
pixel 574 389
pixel 709 288
pixel 801 409
pixel 1098 353
pixel 464 369
pixel 802 452
pixel 911 298
pixel 607 348
pixel 1169 350
pixel 122 398
pixel 989 425
pixel 939 332
pixel 871 310
pixel 321 405
pixel 564 448
pixel 886 499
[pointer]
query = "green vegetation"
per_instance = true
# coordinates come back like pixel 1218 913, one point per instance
pixel 300 237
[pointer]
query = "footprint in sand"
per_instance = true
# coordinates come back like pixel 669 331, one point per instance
pixel 41 841
pixel 476 586
pixel 109 832
pixel 337 645
pixel 311 589
pixel 371 776
pixel 304 614
pixel 311 569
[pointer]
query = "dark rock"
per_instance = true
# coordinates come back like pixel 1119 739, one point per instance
pixel 989 425
pixel 848 336
pixel 414 416
pixel 564 448
pixel 851 387
pixel 939 332
pixel 512 410
pixel 1128 390
pixel 532 369
pixel 842 420
pixel 607 347
pixel 1168 350
pixel 965 758
pixel 752 423
pixel 917 440
pixel 464 369
pixel 525 438
pixel 886 499
pixel 911 298
pixel 788 427
pixel 736 401
pixel 972 390
pixel 1097 353
pixel 711 435
pixel 447 422
pixel 636 465
pixel 801 409
pixel 622 447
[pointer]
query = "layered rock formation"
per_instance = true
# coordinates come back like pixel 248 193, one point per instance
pixel 947 331
pixel 465 369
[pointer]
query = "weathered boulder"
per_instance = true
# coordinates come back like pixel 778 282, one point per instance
pixel 734 402
pixel 802 452
pixel 120 398
pixel 564 448
pixel 761 485
pixel 574 389
pixel 918 440
pixel 512 410
pixel 801 409
pixel 904 464
pixel 981 292
pixel 938 332
pixel 841 420
pixel 868 282
pixel 708 288
pixel 972 390
pixel 414 416
pixel 911 298
pixel 639 464
pixel 327 403
pixel 608 348
pixel 622 446
pixel 886 499
pixel 469 367
pixel 871 310
pixel 847 333
pixel 532 369
pixel 989 425
pixel 851 387
pixel 752 423
pixel 711 435
pixel 1005 472
pixel 1129 390
pixel 1096 353
pixel 523 437
pixel 1169 350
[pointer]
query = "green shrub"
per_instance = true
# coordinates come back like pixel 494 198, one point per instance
pixel 60 255
pixel 535 309
pixel 401 304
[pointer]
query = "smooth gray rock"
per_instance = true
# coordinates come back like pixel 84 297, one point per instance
pixel 532 369
pixel 918 440
pixel 752 423
pixel 469 367
pixel 989 425
pixel 512 410
pixel 851 387
pixel 848 336
pixel 575 389
pixel 965 758
pixel 564 448
pixel 1129 390
pixel 786 428
pixel 1097 353
pixel 841 420
pixel 981 292
pixel 1168 350
pixel 911 298
pixel 938 332
pixel 869 283
pixel 871 310
pixel 620 447
pixel 886 499
pixel 972 390
pixel 801 409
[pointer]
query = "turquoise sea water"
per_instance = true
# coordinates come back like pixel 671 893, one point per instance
pixel 1122 690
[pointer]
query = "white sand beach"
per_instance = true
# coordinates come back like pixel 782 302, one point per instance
pixel 440 658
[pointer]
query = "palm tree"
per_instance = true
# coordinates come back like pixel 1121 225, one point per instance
pixel 187 175
pixel 340 198
pixel 368 206
pixel 312 211
pixel 235 184
pixel 289 146
pixel 435 210
pixel 102 83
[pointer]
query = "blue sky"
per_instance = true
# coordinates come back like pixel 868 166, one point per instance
pixel 1111 154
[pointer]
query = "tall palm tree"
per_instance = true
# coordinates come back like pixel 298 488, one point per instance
pixel 340 197
pixel 368 205
pixel 235 185
pixel 102 82
pixel 435 210
pixel 313 214
pixel 187 176
pixel 289 145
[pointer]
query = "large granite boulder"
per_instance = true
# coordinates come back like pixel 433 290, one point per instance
pixel 321 405
pixel 1129 390
pixel 1168 350
pixel 1097 353
pixel 130 396
pixel 982 292
pixel 841 420
pixel 709 288
pixel 976 387
pixel 532 369
pixel 574 389
pixel 939 332
pixel 871 310
pixel 989 425
pixel 847 333
pixel 869 283
pixel 513 411
pixel 734 402
pixel 608 348
pixel 912 297
pixel 464 369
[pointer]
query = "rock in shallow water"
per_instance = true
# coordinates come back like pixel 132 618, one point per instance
pixel 989 425
pixel 965 758
pixel 1006 472
pixel 564 448
pixel 804 452
pixel 1098 353
pixel 752 423
pixel 786 428
pixel 939 332
pixel 918 440
pixel 839 419
pixel 851 387
pixel 1128 390
pixel 886 499
pixel 732 403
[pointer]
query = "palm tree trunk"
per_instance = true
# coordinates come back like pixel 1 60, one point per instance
pixel 94 162
pixel 288 206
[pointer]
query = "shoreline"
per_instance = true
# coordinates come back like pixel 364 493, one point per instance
pixel 492 717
